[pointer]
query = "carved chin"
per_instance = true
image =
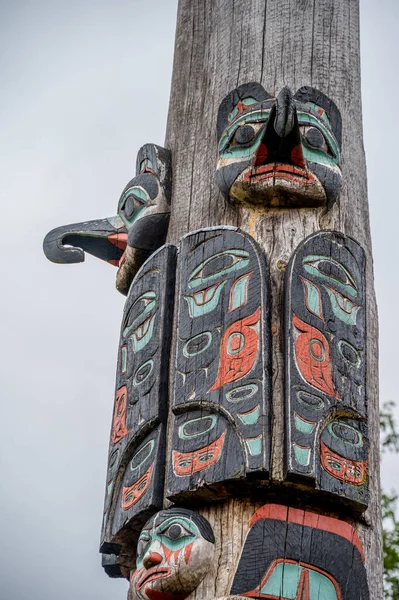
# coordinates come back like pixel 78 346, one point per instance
pixel 278 185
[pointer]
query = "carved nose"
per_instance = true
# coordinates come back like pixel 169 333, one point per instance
pixel 281 142
pixel 285 113
pixel 152 560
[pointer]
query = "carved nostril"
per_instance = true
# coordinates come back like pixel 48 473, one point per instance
pixel 152 559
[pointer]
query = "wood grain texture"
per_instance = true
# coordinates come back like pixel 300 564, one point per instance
pixel 221 44
pixel 135 475
pixel 220 385
pixel 325 362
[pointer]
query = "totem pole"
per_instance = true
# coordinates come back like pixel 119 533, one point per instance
pixel 243 455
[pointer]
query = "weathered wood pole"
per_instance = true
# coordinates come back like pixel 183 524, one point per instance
pixel 244 448
pixel 221 44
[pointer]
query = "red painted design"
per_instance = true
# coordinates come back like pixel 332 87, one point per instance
pixel 278 170
pixel 344 469
pixel 312 356
pixel 238 350
pixel 297 156
pixel 279 512
pixel 188 463
pixel 187 552
pixel 119 240
pixel 261 155
pixel 119 429
pixel 132 494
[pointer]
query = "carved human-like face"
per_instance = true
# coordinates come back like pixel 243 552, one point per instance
pixel 282 151
pixel 174 553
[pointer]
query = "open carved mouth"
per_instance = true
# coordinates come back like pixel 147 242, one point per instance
pixel 277 170
pixel 152 574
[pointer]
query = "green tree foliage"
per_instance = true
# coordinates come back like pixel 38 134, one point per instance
pixel 390 535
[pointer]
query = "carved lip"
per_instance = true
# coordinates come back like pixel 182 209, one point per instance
pixel 278 170
pixel 154 573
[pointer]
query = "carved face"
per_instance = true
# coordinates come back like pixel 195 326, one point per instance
pixel 174 553
pixel 281 151
pixel 144 208
pixel 344 451
pixel 129 238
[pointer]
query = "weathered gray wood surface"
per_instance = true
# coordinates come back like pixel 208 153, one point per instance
pixel 219 45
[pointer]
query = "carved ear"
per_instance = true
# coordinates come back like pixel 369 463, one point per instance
pixel 253 90
pixel 159 160
pixel 309 94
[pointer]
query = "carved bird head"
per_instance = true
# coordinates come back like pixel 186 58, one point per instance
pixel 127 239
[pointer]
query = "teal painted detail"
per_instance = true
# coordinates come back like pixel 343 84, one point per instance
pixel 241 343
pixel 188 436
pixel 109 488
pixel 244 392
pixel 251 417
pixel 344 309
pixel 245 102
pixel 142 455
pixel 123 359
pixel 316 108
pixel 189 353
pixel 149 301
pixel 203 302
pixel 160 533
pixel 302 455
pixel 254 445
pixel 350 354
pixel 143 373
pixel 284 580
pixel 346 432
pixel 345 281
pixel 148 327
pixel 140 199
pixel 256 117
pixel 303 425
pixel 239 292
pixel 240 260
pixel 312 154
pixel 312 298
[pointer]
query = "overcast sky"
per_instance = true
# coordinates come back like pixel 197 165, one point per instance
pixel 84 83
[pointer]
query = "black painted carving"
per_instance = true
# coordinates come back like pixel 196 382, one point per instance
pixel 129 238
pixel 325 332
pixel 290 553
pixel 134 488
pixel 220 389
pixel 283 151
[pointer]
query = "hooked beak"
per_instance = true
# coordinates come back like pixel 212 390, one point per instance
pixel 104 238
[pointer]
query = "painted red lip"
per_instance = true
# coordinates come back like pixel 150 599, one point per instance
pixel 151 574
pixel 275 170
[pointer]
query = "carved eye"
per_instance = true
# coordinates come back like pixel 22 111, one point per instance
pixel 132 201
pixel 176 531
pixel 314 138
pixel 205 457
pixel 245 134
pixel 185 463
pixel 142 544
pixel 335 465
pixel 330 270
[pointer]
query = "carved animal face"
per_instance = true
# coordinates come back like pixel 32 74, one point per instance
pixel 144 208
pixel 174 553
pixel 129 238
pixel 279 152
